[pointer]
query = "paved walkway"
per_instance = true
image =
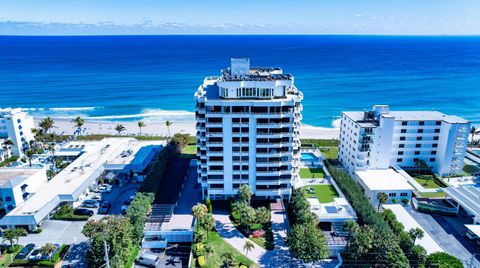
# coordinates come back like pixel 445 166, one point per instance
pixel 278 257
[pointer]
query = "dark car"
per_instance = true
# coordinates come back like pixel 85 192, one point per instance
pixel 23 254
pixel 83 212
pixel 104 208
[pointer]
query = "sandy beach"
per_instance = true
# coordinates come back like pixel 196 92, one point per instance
pixel 64 126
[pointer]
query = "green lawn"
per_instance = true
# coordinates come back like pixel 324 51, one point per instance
pixel 190 151
pixel 309 173
pixel 319 142
pixel 436 194
pixel 329 152
pixel 6 259
pixel 220 246
pixel 470 169
pixel 325 192
pixel 426 181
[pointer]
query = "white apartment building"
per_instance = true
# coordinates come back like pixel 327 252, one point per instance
pixel 17 185
pixel 248 122
pixel 16 126
pixel 381 138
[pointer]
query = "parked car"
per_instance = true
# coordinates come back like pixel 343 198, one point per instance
pixel 97 198
pixel 84 212
pixel 149 260
pixel 129 200
pixel 90 203
pixel 104 208
pixel 124 209
pixel 23 254
pixel 35 255
pixel 104 188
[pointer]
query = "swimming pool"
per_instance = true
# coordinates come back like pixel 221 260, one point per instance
pixel 309 157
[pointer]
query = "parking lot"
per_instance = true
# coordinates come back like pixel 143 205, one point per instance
pixel 70 232
pixel 449 234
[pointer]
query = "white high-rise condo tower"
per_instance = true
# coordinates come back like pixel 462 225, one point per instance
pixel 16 126
pixel 248 122
pixel 381 138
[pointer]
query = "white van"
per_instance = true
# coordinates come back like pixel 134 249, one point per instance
pixel 149 260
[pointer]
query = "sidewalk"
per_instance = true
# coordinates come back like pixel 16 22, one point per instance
pixel 229 233
pixel 278 257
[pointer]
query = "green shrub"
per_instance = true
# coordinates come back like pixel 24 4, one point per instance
pixel 443 260
pixel 154 178
pixel 208 203
pixel 7 161
pixel 201 261
pixel 67 213
pixel 37 231
pixel 13 249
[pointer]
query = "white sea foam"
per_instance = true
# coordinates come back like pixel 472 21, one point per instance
pixel 73 108
pixel 151 115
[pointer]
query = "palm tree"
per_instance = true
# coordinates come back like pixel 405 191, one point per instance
pixel 473 131
pixel 12 235
pixel 29 154
pixel 382 199
pixel 245 193
pixel 47 249
pixel 168 123
pixel 7 145
pixel 46 124
pixel 140 125
pixel 351 227
pixel 228 258
pixel 247 247
pixel 119 128
pixel 50 174
pixel 416 233
pixel 78 122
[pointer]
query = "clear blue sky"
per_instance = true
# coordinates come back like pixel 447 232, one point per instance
pixel 417 17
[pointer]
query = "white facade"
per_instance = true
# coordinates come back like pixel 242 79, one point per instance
pixel 73 182
pixel 248 122
pixel 381 138
pixel 387 181
pixel 17 185
pixel 16 126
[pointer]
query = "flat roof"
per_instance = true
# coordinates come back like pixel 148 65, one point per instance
pixel 383 179
pixel 474 228
pixel 467 196
pixel 408 223
pixel 77 176
pixel 14 176
pixel 411 116
pixel 338 210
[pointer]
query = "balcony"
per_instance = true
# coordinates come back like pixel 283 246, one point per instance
pixel 275 173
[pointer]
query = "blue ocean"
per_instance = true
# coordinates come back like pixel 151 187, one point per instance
pixel 154 77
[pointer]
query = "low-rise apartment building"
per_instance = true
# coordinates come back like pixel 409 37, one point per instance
pixel 380 138
pixel 248 122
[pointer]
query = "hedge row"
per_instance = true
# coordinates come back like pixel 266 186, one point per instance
pixel 56 257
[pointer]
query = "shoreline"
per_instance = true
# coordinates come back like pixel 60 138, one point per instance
pixel 65 126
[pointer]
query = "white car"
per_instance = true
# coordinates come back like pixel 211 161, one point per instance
pixel 97 198
pixel 149 260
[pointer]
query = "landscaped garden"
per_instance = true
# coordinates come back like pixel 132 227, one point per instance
pixel 427 181
pixel 253 223
pixel 209 248
pixel 325 193
pixel 312 173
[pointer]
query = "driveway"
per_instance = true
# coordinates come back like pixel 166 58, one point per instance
pixel 57 232
pixel 76 256
pixel 447 236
